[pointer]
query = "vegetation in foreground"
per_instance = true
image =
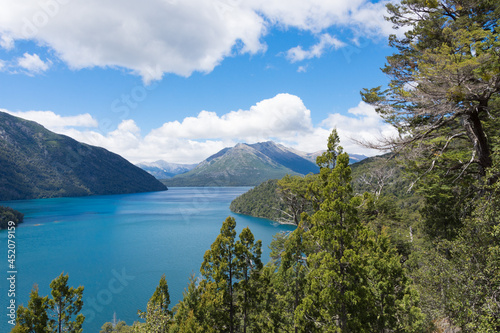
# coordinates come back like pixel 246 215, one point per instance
pixel 8 214
pixel 365 263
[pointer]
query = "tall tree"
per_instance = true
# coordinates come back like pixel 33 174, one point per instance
pixel 293 192
pixel 33 318
pixel 248 253
pixel 157 315
pixel 161 295
pixel 65 305
pixel 290 277
pixel 445 79
pixel 220 267
pixel 346 289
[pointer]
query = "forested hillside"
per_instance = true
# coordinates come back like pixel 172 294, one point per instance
pixel 245 165
pixel 37 163
pixel 8 214
pixel 411 244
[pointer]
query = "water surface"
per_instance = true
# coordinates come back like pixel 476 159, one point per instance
pixel 118 246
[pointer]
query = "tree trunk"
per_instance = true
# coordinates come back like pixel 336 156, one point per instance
pixel 475 131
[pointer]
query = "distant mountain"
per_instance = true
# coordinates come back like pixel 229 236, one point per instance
pixel 264 201
pixel 353 158
pixel 163 170
pixel 37 163
pixel 245 165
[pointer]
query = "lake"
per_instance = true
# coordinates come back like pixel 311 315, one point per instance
pixel 119 246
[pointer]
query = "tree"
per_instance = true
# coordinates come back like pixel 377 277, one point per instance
pixel 346 289
pixel 65 305
pixel 161 295
pixel 33 318
pixel 191 313
pixel 220 267
pixel 158 317
pixel 58 314
pixel 248 253
pixel 119 327
pixel 445 80
pixel 293 192
pixel 290 277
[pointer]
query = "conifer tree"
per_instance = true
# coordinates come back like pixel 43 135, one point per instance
pixel 65 305
pixel 157 315
pixel 248 253
pixel 346 289
pixel 221 268
pixel 33 318
pixel 290 277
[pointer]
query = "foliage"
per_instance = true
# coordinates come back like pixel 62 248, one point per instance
pixel 260 201
pixel 65 305
pixel 119 327
pixel 58 314
pixel 37 163
pixel 8 214
pixel 33 318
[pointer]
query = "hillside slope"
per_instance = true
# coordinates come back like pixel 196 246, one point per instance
pixel 37 163
pixel 163 170
pixel 245 165
pixel 377 174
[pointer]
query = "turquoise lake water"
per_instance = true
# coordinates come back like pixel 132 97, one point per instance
pixel 118 246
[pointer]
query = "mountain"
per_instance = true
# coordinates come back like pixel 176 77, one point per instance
pixel 163 170
pixel 245 165
pixel 353 158
pixel 377 173
pixel 37 163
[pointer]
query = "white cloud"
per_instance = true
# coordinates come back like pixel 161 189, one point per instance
pixel 2 64
pixel 154 37
pixel 364 125
pixel 55 122
pixel 325 43
pixel 6 42
pixel 281 115
pixel 302 69
pixel 32 64
pixel 283 118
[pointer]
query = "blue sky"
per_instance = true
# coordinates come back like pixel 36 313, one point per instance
pixel 180 80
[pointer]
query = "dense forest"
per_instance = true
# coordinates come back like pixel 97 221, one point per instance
pixel 418 253
pixel 8 214
pixel 37 163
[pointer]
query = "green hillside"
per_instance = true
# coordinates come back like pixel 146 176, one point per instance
pixel 8 214
pixel 37 163
pixel 379 175
pixel 243 165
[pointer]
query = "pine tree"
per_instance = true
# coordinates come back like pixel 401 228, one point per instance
pixel 347 290
pixel 158 317
pixel 33 318
pixel 290 277
pixel 248 253
pixel 220 267
pixel 65 305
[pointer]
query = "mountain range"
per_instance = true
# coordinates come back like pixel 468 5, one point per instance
pixel 37 163
pixel 245 165
pixel 163 170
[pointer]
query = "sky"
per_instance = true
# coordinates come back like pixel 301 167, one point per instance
pixel 179 80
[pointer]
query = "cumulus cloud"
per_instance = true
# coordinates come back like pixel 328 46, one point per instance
pixel 283 118
pixel 6 42
pixel 32 64
pixel 364 125
pixel 154 37
pixel 325 43
pixel 55 122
